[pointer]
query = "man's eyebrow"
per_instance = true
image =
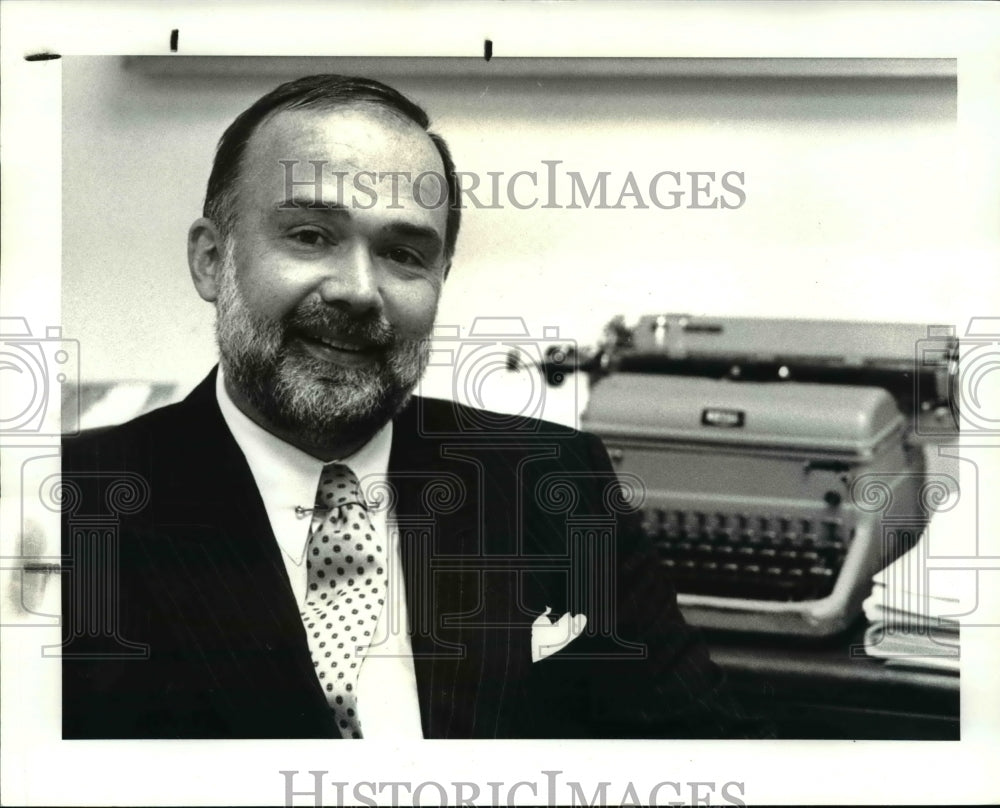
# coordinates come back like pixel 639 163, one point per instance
pixel 309 203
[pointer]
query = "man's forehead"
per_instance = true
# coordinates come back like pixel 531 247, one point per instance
pixel 350 138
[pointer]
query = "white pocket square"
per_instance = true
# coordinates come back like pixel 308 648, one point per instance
pixel 548 637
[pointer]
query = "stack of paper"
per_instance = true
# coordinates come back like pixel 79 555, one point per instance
pixel 913 613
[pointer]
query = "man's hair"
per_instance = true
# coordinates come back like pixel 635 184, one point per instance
pixel 323 91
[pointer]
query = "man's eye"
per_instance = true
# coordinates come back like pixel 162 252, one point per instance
pixel 309 238
pixel 401 255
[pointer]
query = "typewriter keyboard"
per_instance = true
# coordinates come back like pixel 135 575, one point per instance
pixel 749 555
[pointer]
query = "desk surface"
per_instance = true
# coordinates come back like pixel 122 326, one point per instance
pixel 818 689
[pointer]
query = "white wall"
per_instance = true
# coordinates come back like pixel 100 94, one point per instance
pixel 851 202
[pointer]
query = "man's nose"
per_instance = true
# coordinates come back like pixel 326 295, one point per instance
pixel 351 283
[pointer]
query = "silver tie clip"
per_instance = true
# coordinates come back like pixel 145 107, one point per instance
pixel 300 511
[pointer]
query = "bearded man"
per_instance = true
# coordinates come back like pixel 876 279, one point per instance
pixel 302 548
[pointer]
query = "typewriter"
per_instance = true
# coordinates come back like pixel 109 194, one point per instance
pixel 752 438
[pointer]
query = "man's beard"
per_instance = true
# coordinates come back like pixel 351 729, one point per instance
pixel 314 400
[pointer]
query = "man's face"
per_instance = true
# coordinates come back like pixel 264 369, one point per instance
pixel 323 313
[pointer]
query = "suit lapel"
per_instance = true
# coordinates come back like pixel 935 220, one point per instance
pixel 229 590
pixel 471 638
pixel 438 514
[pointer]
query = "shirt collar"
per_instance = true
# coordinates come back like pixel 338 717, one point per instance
pixel 288 477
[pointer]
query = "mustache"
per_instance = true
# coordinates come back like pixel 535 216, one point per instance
pixel 317 317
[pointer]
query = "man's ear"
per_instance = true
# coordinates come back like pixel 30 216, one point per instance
pixel 205 251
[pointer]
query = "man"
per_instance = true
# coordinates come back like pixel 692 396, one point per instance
pixel 301 548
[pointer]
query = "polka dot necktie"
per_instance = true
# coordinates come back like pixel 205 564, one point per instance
pixel 347 582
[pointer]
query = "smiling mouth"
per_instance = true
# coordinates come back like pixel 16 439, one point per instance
pixel 337 351
pixel 340 346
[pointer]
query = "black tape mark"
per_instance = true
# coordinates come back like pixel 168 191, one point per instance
pixel 47 569
pixel 487 49
pixel 174 36
pixel 44 56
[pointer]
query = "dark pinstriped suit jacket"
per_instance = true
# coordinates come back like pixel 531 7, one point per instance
pixel 501 519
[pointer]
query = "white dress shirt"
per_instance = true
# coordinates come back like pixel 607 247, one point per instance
pixel 286 477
